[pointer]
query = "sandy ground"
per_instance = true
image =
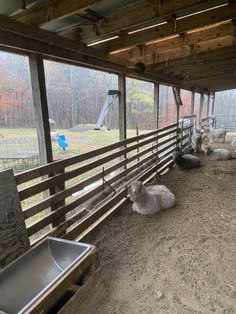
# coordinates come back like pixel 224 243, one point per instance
pixel 182 260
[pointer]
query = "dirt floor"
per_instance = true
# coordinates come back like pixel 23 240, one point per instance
pixel 182 260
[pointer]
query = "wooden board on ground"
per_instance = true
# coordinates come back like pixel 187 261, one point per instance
pixel 14 240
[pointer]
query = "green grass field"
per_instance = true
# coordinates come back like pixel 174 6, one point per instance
pixel 25 140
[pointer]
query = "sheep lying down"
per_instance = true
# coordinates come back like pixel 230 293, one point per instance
pixel 185 162
pixel 152 199
pixel 218 154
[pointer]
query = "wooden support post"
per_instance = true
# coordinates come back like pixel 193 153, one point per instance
pixel 122 106
pixel 177 105
pixel 122 109
pixel 213 104
pixel 200 110
pixel 156 103
pixel 208 104
pixel 41 108
pixel 213 109
pixel 192 103
pixel 176 94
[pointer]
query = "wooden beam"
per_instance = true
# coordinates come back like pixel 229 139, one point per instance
pixel 176 94
pixel 208 104
pixel 173 27
pixel 206 73
pixel 140 15
pixel 41 108
pixel 15 35
pixel 215 84
pixel 10 26
pixel 220 88
pixel 196 70
pixel 180 41
pixel 192 103
pixel 122 106
pixel 190 50
pixel 156 103
pixel 213 104
pixel 221 54
pixel 54 10
pixel 217 76
pixel 26 46
pixel 200 110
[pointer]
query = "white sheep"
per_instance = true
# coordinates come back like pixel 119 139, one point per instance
pixel 218 154
pixel 152 199
pixel 213 134
pixel 196 141
pixel 233 144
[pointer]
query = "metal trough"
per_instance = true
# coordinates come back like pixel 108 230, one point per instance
pixel 31 275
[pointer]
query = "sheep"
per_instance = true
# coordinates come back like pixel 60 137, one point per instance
pixel 213 134
pixel 185 162
pixel 196 141
pixel 233 144
pixel 218 154
pixel 152 199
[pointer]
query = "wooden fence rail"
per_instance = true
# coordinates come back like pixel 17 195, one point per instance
pixel 61 209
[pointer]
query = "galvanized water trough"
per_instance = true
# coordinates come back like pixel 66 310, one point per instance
pixel 24 281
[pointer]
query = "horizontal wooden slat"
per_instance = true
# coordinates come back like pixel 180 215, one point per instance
pixel 65 193
pixel 33 210
pixel 65 209
pixel 39 187
pixel 58 179
pixel 61 164
pixel 83 225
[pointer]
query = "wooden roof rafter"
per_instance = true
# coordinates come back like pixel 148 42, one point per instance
pixel 57 9
pixel 178 41
pixel 216 15
pixel 143 15
pixel 214 32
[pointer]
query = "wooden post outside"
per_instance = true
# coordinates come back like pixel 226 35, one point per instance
pixel 213 109
pixel 192 103
pixel 122 109
pixel 41 108
pixel 208 104
pixel 213 103
pixel 176 94
pixel 156 103
pixel 122 106
pixel 200 111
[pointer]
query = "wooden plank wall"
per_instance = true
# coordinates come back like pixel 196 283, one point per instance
pixel 14 239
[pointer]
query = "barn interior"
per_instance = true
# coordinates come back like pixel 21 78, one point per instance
pixel 180 261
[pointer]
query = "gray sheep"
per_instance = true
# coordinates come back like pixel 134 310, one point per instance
pixel 185 162
pixel 152 199
pixel 214 134
pixel 218 154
